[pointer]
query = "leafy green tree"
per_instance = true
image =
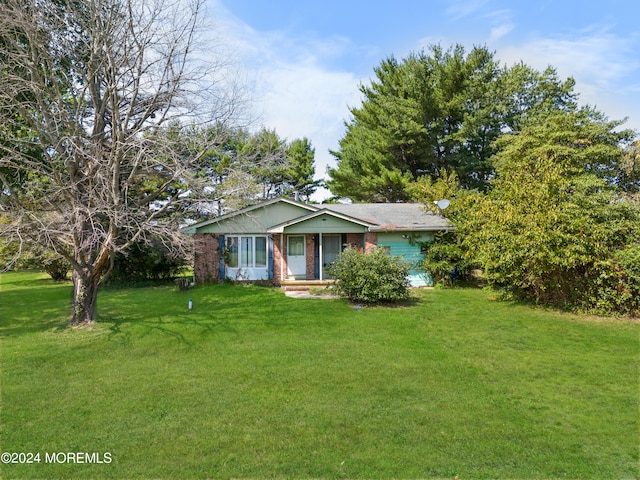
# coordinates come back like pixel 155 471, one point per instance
pixel 57 267
pixel 280 168
pixel 446 252
pixel 301 168
pixel 446 258
pixel 148 262
pixel 264 155
pixel 441 110
pixel 554 228
pixel 225 173
pixel 242 167
pixel 431 189
pixel 628 175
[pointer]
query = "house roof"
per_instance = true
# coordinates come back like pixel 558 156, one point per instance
pixel 376 217
pixel 394 216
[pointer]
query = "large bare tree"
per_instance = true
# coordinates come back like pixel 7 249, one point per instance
pixel 91 95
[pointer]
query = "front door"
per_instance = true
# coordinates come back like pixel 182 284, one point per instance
pixel 296 259
pixel 330 251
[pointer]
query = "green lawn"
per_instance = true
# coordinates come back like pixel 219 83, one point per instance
pixel 253 384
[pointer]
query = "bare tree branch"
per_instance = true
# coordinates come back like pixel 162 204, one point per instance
pixel 88 93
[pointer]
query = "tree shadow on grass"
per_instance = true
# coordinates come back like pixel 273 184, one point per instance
pixel 32 304
pixel 163 309
pixel 184 328
pixel 412 301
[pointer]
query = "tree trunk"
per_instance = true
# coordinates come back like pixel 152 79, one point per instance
pixel 85 297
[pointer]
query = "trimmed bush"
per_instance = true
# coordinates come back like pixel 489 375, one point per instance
pixel 56 267
pixel 373 277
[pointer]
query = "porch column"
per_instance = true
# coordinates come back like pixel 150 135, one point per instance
pixel 320 256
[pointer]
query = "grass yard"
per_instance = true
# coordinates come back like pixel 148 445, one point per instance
pixel 252 384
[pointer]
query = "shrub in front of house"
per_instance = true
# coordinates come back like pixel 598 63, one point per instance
pixel 373 277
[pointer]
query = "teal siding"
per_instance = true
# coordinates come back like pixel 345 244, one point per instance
pixel 400 247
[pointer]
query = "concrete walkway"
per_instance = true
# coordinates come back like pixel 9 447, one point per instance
pixel 307 294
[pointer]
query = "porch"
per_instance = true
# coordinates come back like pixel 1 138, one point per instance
pixel 303 259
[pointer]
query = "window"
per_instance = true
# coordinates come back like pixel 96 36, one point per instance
pixel 296 246
pixel 231 258
pixel 261 251
pixel 246 251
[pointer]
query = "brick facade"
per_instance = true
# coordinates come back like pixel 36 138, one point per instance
pixel 355 240
pixel 279 268
pixel 370 241
pixel 206 267
pixel 310 256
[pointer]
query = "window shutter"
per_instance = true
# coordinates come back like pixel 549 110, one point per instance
pixel 270 256
pixel 221 247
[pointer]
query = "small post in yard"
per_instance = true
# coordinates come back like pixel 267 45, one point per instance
pixel 190 304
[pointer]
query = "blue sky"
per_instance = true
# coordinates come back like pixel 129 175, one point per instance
pixel 303 60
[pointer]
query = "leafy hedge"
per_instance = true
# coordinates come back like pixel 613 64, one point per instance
pixel 147 263
pixel 554 228
pixel 613 285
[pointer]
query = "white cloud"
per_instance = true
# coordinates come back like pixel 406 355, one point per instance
pixel 305 100
pixel 600 57
pixel 464 8
pixel 599 61
pixel 500 31
pixel 425 42
pixel 502 23
pixel 295 93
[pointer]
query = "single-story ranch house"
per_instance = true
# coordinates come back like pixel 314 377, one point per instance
pixel 284 240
